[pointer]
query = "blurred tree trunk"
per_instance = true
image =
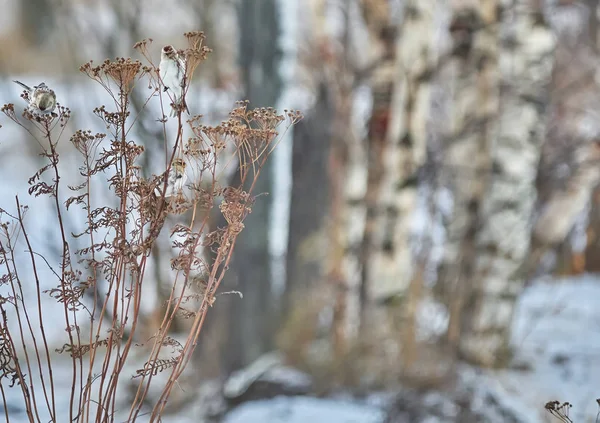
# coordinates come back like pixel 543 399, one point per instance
pixel 382 37
pixel 221 66
pixel 568 171
pixel 250 318
pixel 592 252
pixel 593 22
pixel 309 200
pixel 564 206
pixel 347 177
pixel 397 151
pixel 416 61
pixel 314 254
pixel 37 20
pixel 397 141
pixel 329 175
pixel 474 78
pixel 526 48
pixel 307 240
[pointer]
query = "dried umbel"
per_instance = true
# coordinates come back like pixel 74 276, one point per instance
pixel 195 40
pixel 122 71
pixel 195 53
pixel 143 45
pixel 560 410
pixel 87 143
pixel 235 207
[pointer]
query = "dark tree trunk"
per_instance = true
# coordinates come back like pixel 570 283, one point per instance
pixel 37 20
pixel 250 327
pixel 310 200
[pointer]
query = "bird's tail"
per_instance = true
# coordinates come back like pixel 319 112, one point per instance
pixel 23 85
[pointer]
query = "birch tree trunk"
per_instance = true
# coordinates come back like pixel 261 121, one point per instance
pixel 347 177
pixel 399 150
pixel 473 72
pixel 502 242
pixel 376 14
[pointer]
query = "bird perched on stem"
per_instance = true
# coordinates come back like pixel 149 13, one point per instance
pixel 175 180
pixel 172 74
pixel 42 99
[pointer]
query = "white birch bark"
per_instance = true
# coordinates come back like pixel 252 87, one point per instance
pixel 502 242
pixel 474 86
pixel 390 259
pixel 348 221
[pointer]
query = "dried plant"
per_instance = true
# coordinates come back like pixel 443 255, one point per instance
pixel 559 410
pixel 118 241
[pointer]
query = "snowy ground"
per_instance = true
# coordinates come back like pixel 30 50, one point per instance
pixel 556 334
pixel 304 409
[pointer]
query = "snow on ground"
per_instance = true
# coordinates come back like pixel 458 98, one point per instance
pixel 556 336
pixel 304 409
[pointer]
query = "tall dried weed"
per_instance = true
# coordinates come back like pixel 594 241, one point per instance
pixel 118 242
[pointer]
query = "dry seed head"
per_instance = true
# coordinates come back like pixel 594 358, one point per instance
pixel 235 207
pixel 25 95
pixel 9 110
pixel 195 39
pixel 192 60
pixel 196 52
pixel 142 46
pixel 85 142
pixel 122 71
pixel 90 70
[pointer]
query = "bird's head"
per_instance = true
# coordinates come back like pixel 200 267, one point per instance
pixel 178 165
pixel 168 52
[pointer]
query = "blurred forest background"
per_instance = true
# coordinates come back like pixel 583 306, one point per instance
pixel 448 162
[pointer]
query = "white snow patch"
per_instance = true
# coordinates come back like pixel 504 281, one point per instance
pixel 556 334
pixel 304 409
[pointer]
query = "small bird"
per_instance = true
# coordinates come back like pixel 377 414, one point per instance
pixel 172 74
pixel 42 99
pixel 175 181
